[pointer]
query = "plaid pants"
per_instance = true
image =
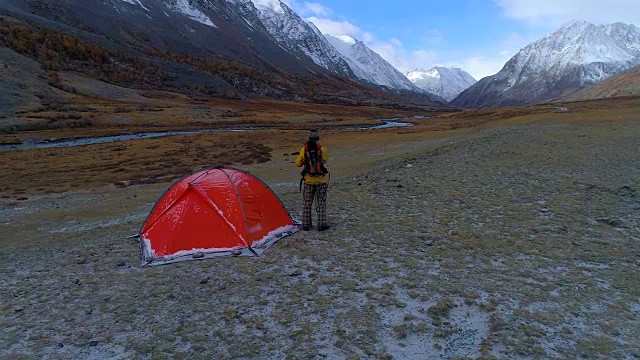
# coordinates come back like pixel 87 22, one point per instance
pixel 319 193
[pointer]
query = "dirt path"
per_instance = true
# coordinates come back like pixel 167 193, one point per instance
pixel 513 242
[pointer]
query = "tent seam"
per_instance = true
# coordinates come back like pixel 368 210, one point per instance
pixel 244 216
pixel 200 192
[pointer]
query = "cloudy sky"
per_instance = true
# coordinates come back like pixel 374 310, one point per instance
pixel 476 35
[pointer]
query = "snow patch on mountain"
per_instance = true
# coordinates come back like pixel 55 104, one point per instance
pixel 136 2
pixel 367 64
pixel 275 5
pixel 626 34
pixel 186 8
pixel 444 82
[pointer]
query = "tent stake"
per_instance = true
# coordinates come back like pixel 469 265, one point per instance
pixel 253 251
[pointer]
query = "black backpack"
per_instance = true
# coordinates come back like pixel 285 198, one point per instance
pixel 313 165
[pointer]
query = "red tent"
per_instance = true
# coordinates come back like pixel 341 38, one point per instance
pixel 218 211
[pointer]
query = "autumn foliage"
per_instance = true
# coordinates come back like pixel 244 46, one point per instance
pixel 57 51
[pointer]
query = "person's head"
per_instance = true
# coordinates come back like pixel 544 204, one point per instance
pixel 314 135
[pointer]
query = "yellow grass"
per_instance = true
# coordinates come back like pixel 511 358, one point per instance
pixel 38 171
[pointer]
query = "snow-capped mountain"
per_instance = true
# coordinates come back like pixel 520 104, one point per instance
pixel 627 34
pixel 442 81
pixel 234 48
pixel 576 55
pixel 296 35
pixel 367 64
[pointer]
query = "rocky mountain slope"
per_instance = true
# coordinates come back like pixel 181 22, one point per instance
pixel 369 65
pixel 626 34
pixel 573 57
pixel 299 37
pixel 228 48
pixel 222 29
pixel 444 82
pixel 626 83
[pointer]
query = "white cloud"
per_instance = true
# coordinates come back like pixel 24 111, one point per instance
pixel 482 66
pixel 515 40
pixel 544 15
pixel 316 9
pixel 367 37
pixel 331 27
pixel 405 59
pixel 554 12
pixel 433 37
pixel 485 62
pixel 308 8
pixel 392 50
pixel 401 58
pixel 479 62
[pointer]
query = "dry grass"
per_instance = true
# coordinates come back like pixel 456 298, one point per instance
pixel 96 108
pixel 126 163
pixel 510 236
pixel 164 159
pixel 121 110
pixel 626 83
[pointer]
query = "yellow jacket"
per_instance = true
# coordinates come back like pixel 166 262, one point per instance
pixel 313 180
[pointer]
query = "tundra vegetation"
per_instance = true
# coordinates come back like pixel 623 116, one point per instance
pixel 497 233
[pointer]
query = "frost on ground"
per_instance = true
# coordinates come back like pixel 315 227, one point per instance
pixel 508 243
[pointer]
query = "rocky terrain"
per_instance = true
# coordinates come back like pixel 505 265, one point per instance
pixel 517 238
pixel 626 83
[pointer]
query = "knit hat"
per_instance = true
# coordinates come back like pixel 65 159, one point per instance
pixel 314 134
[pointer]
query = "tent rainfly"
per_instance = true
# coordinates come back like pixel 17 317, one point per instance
pixel 218 211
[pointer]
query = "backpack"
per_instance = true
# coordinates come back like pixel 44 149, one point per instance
pixel 313 165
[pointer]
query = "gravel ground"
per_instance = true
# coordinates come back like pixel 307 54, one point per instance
pixel 518 242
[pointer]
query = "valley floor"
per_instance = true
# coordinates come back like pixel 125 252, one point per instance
pixel 517 239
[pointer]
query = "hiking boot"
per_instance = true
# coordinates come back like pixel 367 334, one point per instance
pixel 306 228
pixel 323 227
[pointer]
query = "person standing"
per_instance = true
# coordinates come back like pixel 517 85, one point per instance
pixel 312 158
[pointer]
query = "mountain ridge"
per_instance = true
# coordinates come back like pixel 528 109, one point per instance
pixel 222 49
pixel 574 56
pixel 369 65
pixel 297 35
pixel 626 83
pixel 442 81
